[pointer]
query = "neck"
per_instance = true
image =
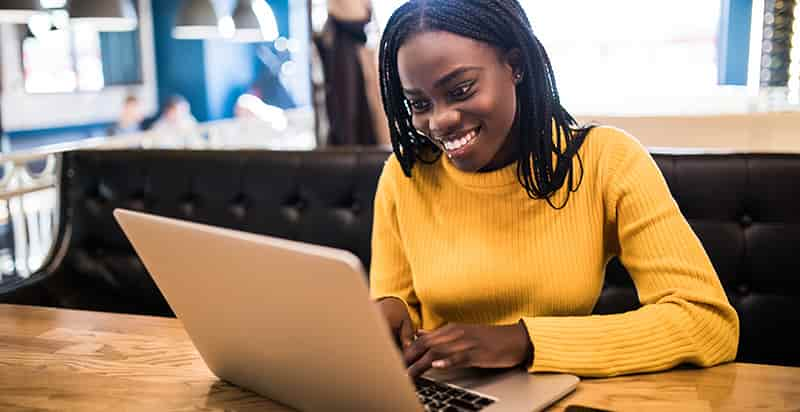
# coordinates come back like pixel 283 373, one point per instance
pixel 508 153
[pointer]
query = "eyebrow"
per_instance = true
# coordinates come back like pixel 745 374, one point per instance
pixel 446 78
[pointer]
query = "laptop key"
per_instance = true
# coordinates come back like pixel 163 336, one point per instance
pixel 484 401
pixel 436 396
pixel 464 405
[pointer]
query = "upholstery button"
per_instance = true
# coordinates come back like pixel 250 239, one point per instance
pixel 105 192
pixel 296 202
pixel 746 220
pixel 93 205
pixel 355 207
pixel 291 214
pixel 136 204
pixel 239 206
pixel 743 289
pixel 188 208
pixel 238 210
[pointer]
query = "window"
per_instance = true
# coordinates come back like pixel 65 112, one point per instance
pixel 628 56
pixel 616 57
pixel 63 57
pixel 62 61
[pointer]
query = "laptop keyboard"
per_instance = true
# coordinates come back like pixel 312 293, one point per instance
pixel 437 396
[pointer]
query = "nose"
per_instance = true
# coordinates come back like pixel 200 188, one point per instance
pixel 444 121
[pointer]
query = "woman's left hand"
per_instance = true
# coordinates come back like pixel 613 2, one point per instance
pixel 461 346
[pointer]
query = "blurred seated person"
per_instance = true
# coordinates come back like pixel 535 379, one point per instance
pixel 258 124
pixel 176 127
pixel 130 118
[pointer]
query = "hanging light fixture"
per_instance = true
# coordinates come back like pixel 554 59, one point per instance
pixel 198 20
pixel 18 11
pixel 104 15
pixel 254 21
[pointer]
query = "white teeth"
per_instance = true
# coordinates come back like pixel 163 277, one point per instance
pixel 459 143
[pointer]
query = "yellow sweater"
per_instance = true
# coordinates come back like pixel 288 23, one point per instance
pixel 474 248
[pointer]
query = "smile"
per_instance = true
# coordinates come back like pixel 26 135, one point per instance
pixel 459 144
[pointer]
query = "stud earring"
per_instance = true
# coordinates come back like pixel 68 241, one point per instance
pixel 517 78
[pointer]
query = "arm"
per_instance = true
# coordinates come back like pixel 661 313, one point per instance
pixel 685 315
pixel 390 273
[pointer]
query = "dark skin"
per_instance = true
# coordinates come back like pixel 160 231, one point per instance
pixel 459 88
pixel 463 98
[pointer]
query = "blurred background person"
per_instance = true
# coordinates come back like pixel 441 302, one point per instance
pixel 176 127
pixel 352 102
pixel 130 118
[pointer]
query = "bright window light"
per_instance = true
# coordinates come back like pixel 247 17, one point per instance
pixel 620 57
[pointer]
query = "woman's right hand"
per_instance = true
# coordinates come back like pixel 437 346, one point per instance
pixel 396 314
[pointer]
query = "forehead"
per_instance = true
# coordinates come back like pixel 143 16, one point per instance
pixel 426 57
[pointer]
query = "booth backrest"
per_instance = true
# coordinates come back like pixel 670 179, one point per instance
pixel 744 208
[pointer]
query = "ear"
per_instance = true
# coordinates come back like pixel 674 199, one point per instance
pixel 513 60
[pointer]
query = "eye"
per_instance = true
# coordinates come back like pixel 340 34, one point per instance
pixel 462 91
pixel 419 106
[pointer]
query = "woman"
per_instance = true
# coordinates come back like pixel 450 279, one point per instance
pixel 493 255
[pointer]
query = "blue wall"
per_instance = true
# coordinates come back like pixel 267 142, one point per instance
pixel 230 70
pixel 212 74
pixel 734 41
pixel 180 64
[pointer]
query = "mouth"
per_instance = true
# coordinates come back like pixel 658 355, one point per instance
pixel 457 144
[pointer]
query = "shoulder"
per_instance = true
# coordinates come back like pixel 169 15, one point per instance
pixel 392 169
pixel 612 147
pixel 613 139
pixel 391 175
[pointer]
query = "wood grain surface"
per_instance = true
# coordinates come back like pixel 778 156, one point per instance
pixel 66 360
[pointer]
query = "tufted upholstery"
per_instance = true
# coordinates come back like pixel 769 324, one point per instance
pixel 744 208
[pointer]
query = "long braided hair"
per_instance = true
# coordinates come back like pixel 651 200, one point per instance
pixel 550 136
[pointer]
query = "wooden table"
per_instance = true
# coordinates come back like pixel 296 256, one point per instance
pixel 56 359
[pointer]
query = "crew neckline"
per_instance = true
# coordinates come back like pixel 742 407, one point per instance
pixel 488 181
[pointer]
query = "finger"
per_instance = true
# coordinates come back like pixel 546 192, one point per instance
pixel 453 354
pixel 406 333
pixel 421 365
pixel 427 341
pixel 458 355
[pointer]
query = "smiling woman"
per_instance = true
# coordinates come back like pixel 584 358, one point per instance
pixel 466 110
pixel 493 254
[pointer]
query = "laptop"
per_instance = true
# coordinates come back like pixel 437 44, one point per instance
pixel 294 322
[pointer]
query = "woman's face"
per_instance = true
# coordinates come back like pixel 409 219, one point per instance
pixel 462 96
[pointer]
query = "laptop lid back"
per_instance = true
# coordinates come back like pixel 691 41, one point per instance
pixel 288 320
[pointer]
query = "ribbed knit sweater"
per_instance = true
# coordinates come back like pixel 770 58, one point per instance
pixel 461 247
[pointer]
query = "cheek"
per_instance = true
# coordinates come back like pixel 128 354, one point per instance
pixel 497 109
pixel 420 122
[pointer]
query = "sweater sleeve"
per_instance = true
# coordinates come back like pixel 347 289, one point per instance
pixel 390 272
pixel 685 316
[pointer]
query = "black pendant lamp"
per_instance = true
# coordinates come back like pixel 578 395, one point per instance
pixel 197 20
pixel 255 21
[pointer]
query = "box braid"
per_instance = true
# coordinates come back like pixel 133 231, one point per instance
pixel 545 161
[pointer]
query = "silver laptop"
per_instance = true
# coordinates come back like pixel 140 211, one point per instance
pixel 294 322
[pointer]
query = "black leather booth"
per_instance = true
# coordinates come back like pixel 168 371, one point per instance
pixel 744 208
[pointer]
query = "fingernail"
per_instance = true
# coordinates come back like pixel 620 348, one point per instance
pixel 439 364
